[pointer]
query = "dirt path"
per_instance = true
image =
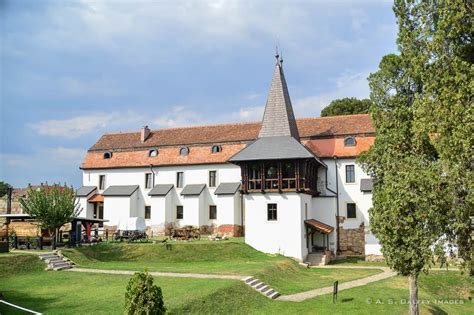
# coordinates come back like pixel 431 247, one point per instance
pixel 159 274
pixel 298 297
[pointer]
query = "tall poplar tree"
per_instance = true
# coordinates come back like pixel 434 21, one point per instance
pixel 422 158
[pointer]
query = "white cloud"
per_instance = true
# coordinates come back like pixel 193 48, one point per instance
pixel 250 113
pixel 346 85
pixel 75 127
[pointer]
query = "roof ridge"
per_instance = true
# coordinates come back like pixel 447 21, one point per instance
pixel 228 124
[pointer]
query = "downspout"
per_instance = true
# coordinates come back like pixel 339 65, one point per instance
pixel 337 206
pixel 242 213
pixel 154 175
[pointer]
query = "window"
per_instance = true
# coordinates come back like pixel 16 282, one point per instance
pixel 349 142
pixel 179 179
pixel 179 212
pixel 107 155
pixel 351 211
pixel 148 180
pixel 271 212
pixel 184 151
pixel 212 178
pixel 216 149
pixel 147 212
pixel 153 153
pixel 101 182
pixel 350 174
pixel 271 180
pixel 212 212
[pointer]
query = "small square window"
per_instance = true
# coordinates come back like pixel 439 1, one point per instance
pixel 272 212
pixel 101 182
pixel 179 179
pixel 148 180
pixel 147 212
pixel 212 212
pixel 212 178
pixel 350 174
pixel 351 211
pixel 179 212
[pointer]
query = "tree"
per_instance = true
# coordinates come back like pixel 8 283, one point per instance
pixel 422 157
pixel 51 206
pixel 142 296
pixel 4 188
pixel 436 38
pixel 409 212
pixel 346 106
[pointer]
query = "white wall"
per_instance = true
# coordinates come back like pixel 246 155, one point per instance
pixel 283 236
pixel 86 208
pixel 324 210
pixel 350 193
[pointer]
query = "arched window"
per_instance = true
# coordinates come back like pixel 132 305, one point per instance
pixel 349 142
pixel 153 153
pixel 184 151
pixel 107 155
pixel 216 149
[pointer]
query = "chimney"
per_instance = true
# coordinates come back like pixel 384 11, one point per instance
pixel 145 132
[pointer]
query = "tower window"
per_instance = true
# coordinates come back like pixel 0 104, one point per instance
pixel 272 212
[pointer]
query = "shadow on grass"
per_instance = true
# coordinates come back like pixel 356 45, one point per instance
pixel 436 310
pixel 34 303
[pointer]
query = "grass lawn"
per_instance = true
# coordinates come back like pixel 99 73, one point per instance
pixel 24 282
pixel 282 273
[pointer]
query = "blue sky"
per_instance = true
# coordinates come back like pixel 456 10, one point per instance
pixel 72 70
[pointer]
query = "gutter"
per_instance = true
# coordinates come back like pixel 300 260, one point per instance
pixel 337 207
pixel 154 175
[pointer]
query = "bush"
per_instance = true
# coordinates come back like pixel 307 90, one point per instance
pixel 142 296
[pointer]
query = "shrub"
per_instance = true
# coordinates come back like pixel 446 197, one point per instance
pixel 142 296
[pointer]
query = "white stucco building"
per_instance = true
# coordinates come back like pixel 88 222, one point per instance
pixel 290 186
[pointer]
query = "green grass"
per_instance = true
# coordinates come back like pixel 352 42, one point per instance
pixel 23 282
pixel 224 257
pixel 282 273
pixel 358 261
pixel 288 277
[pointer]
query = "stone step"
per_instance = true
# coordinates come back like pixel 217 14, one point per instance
pixel 62 268
pixel 261 287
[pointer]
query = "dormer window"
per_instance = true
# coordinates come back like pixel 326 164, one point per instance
pixel 153 153
pixel 183 151
pixel 349 142
pixel 216 149
pixel 107 155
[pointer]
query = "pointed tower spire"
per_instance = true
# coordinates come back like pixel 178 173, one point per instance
pixel 279 119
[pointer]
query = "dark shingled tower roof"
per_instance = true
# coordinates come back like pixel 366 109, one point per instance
pixel 279 119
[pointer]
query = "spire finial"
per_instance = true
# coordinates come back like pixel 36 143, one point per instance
pixel 281 57
pixel 276 53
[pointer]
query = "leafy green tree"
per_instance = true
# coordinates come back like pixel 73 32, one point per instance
pixel 422 158
pixel 436 38
pixel 143 296
pixel 51 206
pixel 346 106
pixel 4 188
pixel 409 211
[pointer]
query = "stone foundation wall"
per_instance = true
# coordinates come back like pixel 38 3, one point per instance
pixel 352 241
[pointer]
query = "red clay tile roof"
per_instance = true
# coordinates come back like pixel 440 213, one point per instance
pixel 320 226
pixel 308 128
pixel 324 136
